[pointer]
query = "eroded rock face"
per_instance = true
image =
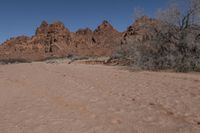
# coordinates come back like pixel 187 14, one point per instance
pixel 49 40
pixel 101 42
pixel 53 37
pixel 14 47
pixel 106 34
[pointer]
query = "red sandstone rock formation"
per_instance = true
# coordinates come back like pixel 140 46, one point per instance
pixel 55 40
pixel 101 42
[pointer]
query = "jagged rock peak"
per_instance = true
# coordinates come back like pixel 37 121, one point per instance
pixel 105 26
pixel 44 24
pixel 84 31
pixel 42 29
pixel 144 20
pixel 57 24
pixel 106 23
pixel 46 28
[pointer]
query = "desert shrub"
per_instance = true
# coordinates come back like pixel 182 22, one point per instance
pixel 176 41
pixel 177 50
pixel 75 58
pixel 53 58
pixel 150 55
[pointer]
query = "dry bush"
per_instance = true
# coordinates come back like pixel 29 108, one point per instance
pixel 185 17
pixel 188 48
pixel 171 49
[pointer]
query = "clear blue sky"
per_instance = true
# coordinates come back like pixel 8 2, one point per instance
pixel 22 17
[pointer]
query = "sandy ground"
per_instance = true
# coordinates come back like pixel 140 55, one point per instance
pixel 78 98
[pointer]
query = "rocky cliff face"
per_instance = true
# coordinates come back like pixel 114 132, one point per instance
pixel 49 40
pixel 55 40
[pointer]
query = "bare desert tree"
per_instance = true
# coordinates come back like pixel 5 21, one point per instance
pixel 184 16
pixel 176 41
pixel 171 15
pixel 194 12
pixel 138 12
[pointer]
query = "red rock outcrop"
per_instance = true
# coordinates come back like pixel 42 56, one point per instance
pixel 49 40
pixel 55 40
pixel 143 29
pixel 101 42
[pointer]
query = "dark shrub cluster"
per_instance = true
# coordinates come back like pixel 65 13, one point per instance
pixel 13 61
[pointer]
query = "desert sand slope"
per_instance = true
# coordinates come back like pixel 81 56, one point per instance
pixel 78 98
